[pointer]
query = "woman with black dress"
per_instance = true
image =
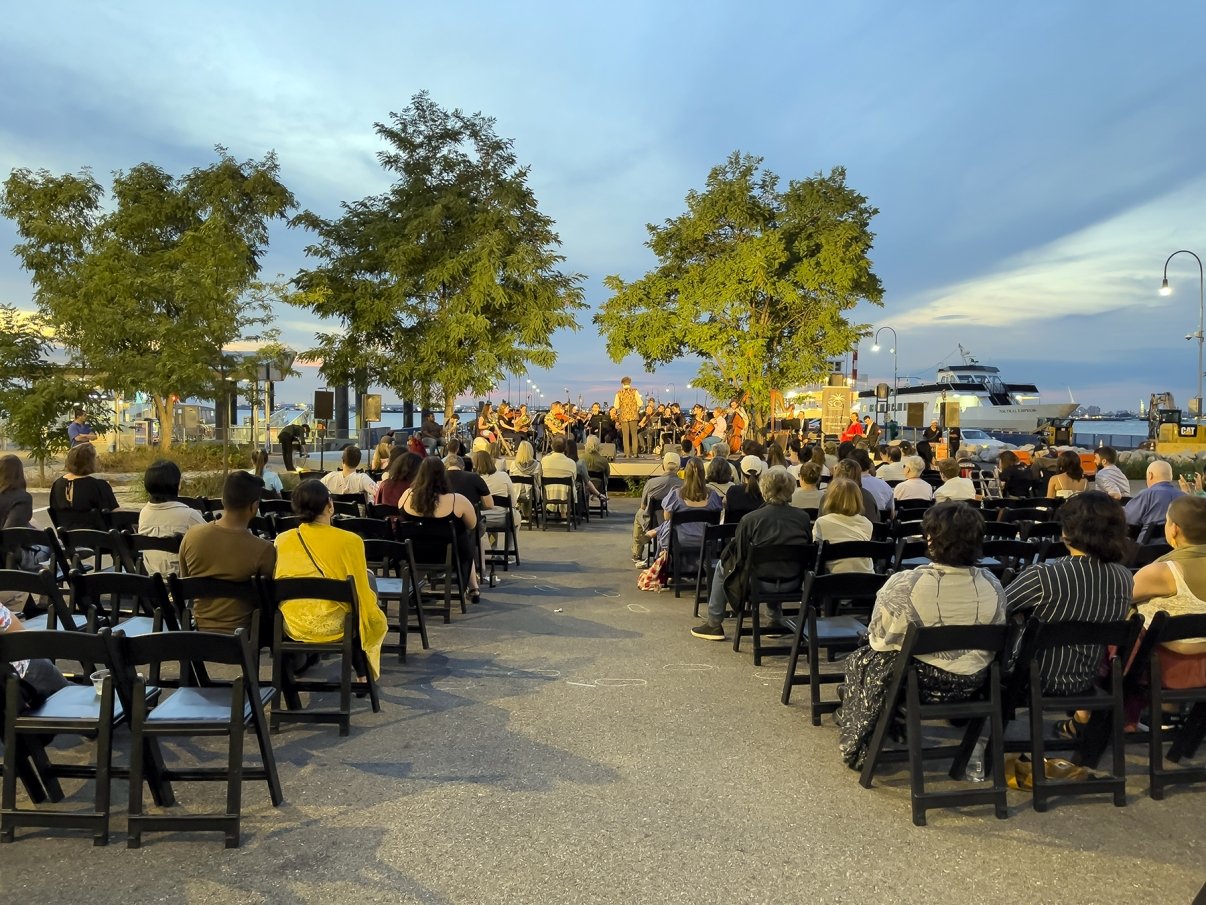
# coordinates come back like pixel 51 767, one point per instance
pixel 77 499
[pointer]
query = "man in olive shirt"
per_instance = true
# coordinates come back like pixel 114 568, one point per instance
pixel 227 549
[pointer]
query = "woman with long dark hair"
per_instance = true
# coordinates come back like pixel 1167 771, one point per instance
pixel 403 466
pixel 1069 478
pixel 694 495
pixel 430 498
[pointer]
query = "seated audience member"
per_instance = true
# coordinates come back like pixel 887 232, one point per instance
pixel 40 678
pixel 849 468
pixel 315 549
pixel 656 489
pixel 913 487
pixel 1090 585
pixel 431 498
pixel 259 468
pixel 818 455
pixel 892 470
pixel 227 549
pixel 926 452
pixel 1150 504
pixel 1014 478
pixel 809 494
pixel 595 461
pixel 417 445
pixel 775 456
pixel 469 485
pixel 692 495
pixel 16 504
pixel 720 475
pixel 1070 478
pixel 78 498
pixel 403 466
pixel 686 451
pixel 1176 584
pixel 841 519
pixel 556 464
pixel 525 464
pixel 164 515
pixel 571 450
pixel 775 523
pixel 879 488
pixel 500 487
pixel 381 453
pixel 951 590
pixel 1109 478
pixel 348 479
pixel 954 487
pixel 747 496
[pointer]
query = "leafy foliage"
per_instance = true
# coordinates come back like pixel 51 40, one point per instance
pixel 145 295
pixel 448 279
pixel 37 396
pixel 753 279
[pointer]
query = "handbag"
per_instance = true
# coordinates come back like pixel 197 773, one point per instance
pixel 657 576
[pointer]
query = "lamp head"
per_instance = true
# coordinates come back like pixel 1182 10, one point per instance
pixel 1165 289
pixel 875 348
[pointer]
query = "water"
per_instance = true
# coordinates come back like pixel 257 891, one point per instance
pixel 1126 428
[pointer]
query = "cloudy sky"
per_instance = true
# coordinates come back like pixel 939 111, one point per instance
pixel 1034 163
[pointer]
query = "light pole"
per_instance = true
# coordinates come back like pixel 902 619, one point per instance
pixel 875 348
pixel 1165 289
pixel 670 389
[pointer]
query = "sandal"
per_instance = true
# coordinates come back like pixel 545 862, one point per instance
pixel 1070 729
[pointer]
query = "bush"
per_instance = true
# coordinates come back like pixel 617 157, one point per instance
pixel 189 456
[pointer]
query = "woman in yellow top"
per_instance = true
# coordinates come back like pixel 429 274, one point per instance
pixel 317 550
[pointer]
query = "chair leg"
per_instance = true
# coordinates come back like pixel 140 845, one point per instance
pixel 104 759
pixel 1037 755
pixel 814 676
pixel 1155 739
pixel 793 661
pixel 137 771
pixel 234 773
pixel 996 746
pixel 916 756
pixel 345 686
pixel 267 755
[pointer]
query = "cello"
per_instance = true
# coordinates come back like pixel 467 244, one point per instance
pixel 699 429
pixel 738 421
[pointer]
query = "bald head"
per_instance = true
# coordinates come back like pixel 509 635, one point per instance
pixel 1158 472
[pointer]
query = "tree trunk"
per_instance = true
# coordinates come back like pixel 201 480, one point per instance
pixel 449 403
pixel 165 411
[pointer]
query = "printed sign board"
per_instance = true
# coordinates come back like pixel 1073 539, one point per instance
pixel 836 404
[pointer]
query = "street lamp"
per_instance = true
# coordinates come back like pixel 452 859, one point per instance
pixel 1165 289
pixel 875 348
pixel 670 389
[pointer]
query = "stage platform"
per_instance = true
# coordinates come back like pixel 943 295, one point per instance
pixel 640 467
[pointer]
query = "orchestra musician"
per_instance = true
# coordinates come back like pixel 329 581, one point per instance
pixel 700 429
pixel 738 421
pixel 523 424
pixel 485 422
pixel 648 428
pixel 557 421
pixel 719 433
pixel 599 424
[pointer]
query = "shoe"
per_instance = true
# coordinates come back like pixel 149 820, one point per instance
pixel 775 628
pixel 709 631
pixel 638 560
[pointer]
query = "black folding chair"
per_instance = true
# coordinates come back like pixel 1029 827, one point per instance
pixel 382 511
pixel 210 709
pixel 833 618
pixel 910 554
pixel 121 520
pixel 904 691
pixel 14 542
pixel 1005 557
pixel 881 553
pixel 366 528
pixel 510 537
pixel 599 480
pixel 276 507
pixel 536 504
pixel 557 506
pixel 58 614
pixel 438 559
pixel 716 538
pixel 349 504
pixel 139 544
pixel 680 554
pixel 187 594
pixel 393 564
pixel 87 548
pixel 348 647
pixel 800 559
pixel 136 604
pixel 1189 736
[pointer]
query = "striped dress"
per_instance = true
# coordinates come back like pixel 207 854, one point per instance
pixel 1072 589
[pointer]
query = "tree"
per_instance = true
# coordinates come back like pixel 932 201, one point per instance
pixel 752 279
pixel 37 396
pixel 144 296
pixel 448 279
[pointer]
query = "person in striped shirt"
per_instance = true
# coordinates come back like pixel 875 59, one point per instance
pixel 1090 585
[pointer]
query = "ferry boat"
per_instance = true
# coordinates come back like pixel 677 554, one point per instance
pixel 985 400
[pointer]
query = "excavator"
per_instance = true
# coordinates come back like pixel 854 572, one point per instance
pixel 1166 431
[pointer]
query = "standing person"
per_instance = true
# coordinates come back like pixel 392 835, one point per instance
pixel 628 409
pixel 79 430
pixel 292 438
pixel 227 549
pixel 953 439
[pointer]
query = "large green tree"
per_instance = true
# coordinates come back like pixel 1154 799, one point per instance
pixel 754 279
pixel 146 291
pixel 37 394
pixel 448 279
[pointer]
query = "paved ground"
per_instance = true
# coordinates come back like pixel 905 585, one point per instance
pixel 568 742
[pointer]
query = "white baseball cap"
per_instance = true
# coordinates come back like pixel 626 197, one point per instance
pixel 752 465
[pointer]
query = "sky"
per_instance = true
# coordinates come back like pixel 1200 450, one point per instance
pixel 1034 163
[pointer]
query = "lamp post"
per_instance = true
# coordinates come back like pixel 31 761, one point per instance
pixel 875 348
pixel 670 390
pixel 1165 289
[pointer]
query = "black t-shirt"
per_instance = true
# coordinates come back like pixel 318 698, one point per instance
pixel 468 484
pixel 89 496
pixel 291 433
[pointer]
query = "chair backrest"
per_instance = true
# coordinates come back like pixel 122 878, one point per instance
pixel 1052 549
pixel 282 590
pixel 1152 532
pixel 194 502
pixel 188 647
pixel 689 516
pixel 909 549
pixel 718 535
pixel 913 506
pixel 1027 514
pixel 907 528
pixel 365 527
pixel 1178 628
pixel 138 544
pixel 801 557
pixel 15 541
pixel 881 553
pixel 276 507
pixel 1147 554
pixel 121 519
pixel 185 592
pixel 1000 529
pixel 384 555
pixel 1042 530
pixel 285 523
pixel 853 590
pixel 938 639
pixel 109 592
pixel 43 584
pixel 381 510
pixel 554 484
pixel 433 542
pixel 1121 634
pixel 88 649
pixel 1016 552
pixel 99 544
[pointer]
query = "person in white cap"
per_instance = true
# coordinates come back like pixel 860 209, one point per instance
pixel 656 489
pixel 745 496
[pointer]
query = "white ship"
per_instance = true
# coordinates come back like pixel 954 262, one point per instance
pixel 985 400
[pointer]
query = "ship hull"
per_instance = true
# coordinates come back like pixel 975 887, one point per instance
pixel 1020 418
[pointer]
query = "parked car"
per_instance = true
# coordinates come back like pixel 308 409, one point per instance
pixel 974 441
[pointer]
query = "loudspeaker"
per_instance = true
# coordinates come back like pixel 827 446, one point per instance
pixel 372 407
pixel 882 390
pixel 608 451
pixel 324 405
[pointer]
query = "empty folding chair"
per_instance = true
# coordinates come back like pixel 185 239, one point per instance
pixel 38 586
pixel 213 709
pixel 136 604
pixel 393 564
pixel 1189 735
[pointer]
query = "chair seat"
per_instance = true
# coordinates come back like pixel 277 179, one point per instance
pixel 38 623
pixel 75 702
pixel 389 587
pixel 136 626
pixel 914 561
pixel 836 629
pixel 201 705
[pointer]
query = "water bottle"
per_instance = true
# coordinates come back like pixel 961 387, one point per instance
pixel 975 763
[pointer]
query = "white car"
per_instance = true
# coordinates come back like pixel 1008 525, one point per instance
pixel 973 441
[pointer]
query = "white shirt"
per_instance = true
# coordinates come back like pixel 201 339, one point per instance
pixel 913 489
pixel 956 489
pixel 1110 479
pixel 165 520
pixel 890 471
pixel 356 482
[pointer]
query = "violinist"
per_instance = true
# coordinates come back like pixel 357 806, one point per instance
pixel 700 429
pixel 556 421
